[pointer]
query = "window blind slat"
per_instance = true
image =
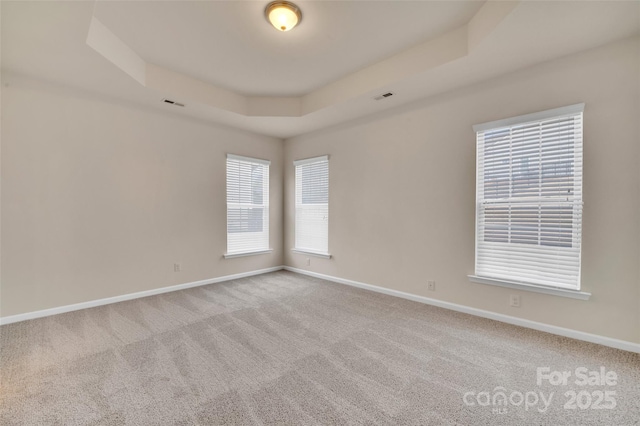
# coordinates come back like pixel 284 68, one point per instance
pixel 529 201
pixel 247 204
pixel 312 205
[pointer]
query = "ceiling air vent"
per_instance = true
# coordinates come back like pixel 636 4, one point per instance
pixel 169 101
pixel 385 95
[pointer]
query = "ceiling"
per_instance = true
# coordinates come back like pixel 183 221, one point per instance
pixel 229 44
pixel 229 66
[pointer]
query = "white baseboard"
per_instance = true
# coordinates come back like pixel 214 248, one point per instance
pixel 560 331
pixel 566 332
pixel 115 299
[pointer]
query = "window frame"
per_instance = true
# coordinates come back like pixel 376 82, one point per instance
pixel 509 123
pixel 264 205
pixel 307 250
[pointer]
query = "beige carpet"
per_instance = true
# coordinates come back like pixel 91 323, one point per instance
pixel 283 348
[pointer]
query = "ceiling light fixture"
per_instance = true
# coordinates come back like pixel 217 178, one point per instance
pixel 283 15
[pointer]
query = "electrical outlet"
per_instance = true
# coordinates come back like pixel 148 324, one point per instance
pixel 514 300
pixel 431 285
pixel 177 267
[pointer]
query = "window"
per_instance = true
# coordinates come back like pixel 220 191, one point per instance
pixel 247 205
pixel 312 205
pixel 529 198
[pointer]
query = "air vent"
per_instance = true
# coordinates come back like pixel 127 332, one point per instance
pixel 169 101
pixel 383 96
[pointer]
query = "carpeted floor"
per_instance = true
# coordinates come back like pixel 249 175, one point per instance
pixel 284 348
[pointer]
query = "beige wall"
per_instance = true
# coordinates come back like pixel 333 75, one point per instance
pixel 101 199
pixel 402 191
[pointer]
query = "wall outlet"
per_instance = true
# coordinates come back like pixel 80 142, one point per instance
pixel 308 261
pixel 431 285
pixel 177 267
pixel 514 300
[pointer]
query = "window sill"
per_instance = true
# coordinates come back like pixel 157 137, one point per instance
pixel 312 253
pixel 246 253
pixel 562 292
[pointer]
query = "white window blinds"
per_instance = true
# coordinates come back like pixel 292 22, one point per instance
pixel 529 198
pixel 247 204
pixel 312 205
